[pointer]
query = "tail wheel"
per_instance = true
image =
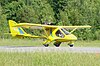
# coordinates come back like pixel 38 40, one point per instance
pixel 71 45
pixel 57 44
pixel 46 45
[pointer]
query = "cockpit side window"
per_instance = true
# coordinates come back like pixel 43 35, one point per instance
pixel 59 34
pixel 65 31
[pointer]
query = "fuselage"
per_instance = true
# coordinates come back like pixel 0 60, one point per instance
pixel 61 35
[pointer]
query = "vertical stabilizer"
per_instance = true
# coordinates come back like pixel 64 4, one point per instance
pixel 15 30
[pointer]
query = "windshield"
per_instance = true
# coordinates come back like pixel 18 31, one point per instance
pixel 65 31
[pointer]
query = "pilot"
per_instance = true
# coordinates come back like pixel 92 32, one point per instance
pixel 59 34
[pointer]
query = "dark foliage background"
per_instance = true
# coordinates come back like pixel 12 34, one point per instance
pixel 61 12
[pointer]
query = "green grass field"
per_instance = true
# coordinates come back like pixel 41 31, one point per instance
pixel 38 42
pixel 49 59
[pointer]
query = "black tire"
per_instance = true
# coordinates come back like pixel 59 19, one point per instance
pixel 57 44
pixel 71 45
pixel 46 45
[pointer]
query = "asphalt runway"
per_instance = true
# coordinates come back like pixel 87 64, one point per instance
pixel 49 49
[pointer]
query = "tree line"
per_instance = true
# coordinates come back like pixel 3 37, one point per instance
pixel 60 12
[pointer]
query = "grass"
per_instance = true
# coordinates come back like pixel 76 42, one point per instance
pixel 95 43
pixel 38 42
pixel 49 59
pixel 20 42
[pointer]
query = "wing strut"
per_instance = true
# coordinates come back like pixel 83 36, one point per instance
pixel 73 30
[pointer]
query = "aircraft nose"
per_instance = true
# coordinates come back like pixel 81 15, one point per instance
pixel 72 37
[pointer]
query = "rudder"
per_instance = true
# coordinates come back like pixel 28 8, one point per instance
pixel 15 30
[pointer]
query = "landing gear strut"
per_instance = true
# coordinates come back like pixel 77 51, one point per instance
pixel 45 43
pixel 57 44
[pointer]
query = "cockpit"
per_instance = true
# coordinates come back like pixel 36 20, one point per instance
pixel 61 32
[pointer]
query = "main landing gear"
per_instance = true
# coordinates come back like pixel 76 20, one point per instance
pixel 46 45
pixel 57 44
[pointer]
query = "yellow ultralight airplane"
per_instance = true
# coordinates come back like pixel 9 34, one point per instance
pixel 57 34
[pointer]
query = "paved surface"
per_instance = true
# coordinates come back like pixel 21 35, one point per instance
pixel 49 49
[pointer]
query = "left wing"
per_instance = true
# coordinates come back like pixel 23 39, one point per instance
pixel 47 26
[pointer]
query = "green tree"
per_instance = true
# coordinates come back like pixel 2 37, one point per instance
pixel 35 11
pixel 61 12
pixel 3 24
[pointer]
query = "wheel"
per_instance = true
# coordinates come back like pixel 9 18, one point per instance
pixel 46 45
pixel 57 44
pixel 71 45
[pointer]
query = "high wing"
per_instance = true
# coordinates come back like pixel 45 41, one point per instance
pixel 47 26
